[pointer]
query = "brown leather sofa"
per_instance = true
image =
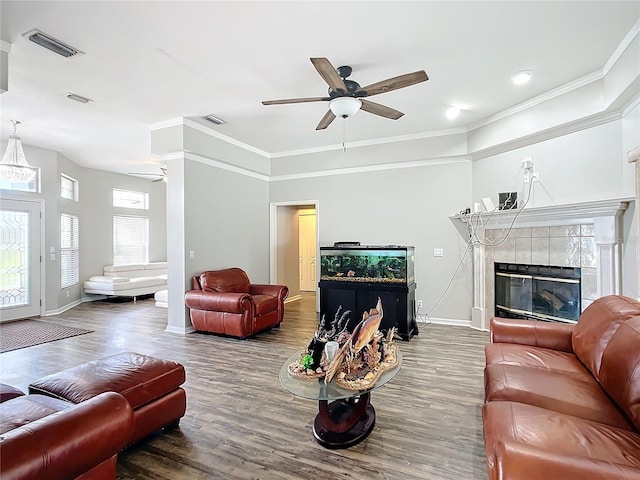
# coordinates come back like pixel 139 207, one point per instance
pixel 227 303
pixel 48 438
pixel 563 401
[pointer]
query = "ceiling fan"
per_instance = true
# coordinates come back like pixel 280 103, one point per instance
pixel 162 177
pixel 346 97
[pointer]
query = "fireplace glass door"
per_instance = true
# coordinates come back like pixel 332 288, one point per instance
pixel 540 292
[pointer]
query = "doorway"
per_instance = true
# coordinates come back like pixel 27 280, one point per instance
pixel 294 246
pixel 307 249
pixel 20 259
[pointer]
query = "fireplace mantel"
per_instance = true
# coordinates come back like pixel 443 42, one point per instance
pixel 549 216
pixel 604 215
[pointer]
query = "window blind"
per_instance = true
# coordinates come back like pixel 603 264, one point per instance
pixel 130 239
pixel 69 250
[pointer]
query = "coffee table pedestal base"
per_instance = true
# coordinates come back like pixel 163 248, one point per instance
pixel 344 423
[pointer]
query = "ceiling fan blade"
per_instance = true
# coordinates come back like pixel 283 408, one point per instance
pixel 296 100
pixel 380 110
pixel 158 180
pixel 145 174
pixel 326 120
pixel 395 83
pixel 329 74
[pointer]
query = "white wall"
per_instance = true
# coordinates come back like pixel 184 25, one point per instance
pixel 226 220
pixel 581 166
pixel 403 206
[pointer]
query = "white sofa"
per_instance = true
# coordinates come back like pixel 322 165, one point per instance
pixel 130 280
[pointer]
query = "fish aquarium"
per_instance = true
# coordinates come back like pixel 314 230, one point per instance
pixel 384 264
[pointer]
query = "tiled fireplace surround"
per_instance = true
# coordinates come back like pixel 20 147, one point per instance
pixel 586 235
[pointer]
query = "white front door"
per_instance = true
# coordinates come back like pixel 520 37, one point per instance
pixel 307 249
pixel 19 259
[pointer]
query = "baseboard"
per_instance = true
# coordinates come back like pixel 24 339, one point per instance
pixel 180 330
pixel 294 298
pixel 60 310
pixel 454 322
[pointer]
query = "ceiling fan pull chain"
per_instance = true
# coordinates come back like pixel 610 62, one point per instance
pixel 344 134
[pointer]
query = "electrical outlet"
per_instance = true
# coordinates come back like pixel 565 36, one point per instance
pixel 438 252
pixel 535 177
pixel 419 303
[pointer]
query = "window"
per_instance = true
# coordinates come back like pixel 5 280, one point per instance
pixel 32 186
pixel 68 188
pixel 129 199
pixel 130 239
pixel 69 254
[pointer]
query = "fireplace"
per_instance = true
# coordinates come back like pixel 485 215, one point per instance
pixel 541 292
pixel 586 236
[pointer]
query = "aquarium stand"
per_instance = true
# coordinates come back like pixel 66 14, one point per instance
pixel 398 302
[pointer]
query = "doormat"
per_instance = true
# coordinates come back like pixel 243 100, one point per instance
pixel 27 333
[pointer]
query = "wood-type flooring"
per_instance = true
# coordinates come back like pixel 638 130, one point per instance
pixel 241 424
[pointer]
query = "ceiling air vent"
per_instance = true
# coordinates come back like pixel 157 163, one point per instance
pixel 77 98
pixel 50 43
pixel 213 119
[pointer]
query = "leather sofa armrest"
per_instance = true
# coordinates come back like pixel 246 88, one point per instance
pixel 556 336
pixel 279 291
pixel 218 302
pixel 521 461
pixel 68 443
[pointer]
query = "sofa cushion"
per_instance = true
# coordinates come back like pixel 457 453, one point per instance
pixel 548 436
pixel 123 268
pixel 25 409
pixel 596 326
pixel 7 392
pixel 230 280
pixel 141 379
pixel 103 279
pixel 572 393
pixel 264 304
pixel 620 370
pixel 528 355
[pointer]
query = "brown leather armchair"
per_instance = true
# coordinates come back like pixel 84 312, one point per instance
pixel 226 302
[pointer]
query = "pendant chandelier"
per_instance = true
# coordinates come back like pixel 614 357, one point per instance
pixel 14 167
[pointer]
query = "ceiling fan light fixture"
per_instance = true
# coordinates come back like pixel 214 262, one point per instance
pixel 345 107
pixel 520 78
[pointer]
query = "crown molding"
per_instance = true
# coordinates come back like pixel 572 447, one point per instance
pixel 532 102
pixel 633 103
pixel 624 44
pixel 225 138
pixel 547 134
pixel 224 166
pixel 174 122
pixel 5 46
pixel 367 143
pixel 372 168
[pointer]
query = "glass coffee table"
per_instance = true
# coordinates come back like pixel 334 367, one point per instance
pixel 345 417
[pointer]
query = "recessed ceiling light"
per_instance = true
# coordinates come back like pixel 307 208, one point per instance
pixel 521 78
pixel 452 113
pixel 77 98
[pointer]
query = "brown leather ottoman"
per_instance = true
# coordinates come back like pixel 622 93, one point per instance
pixel 150 385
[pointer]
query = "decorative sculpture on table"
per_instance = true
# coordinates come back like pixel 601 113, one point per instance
pixel 363 355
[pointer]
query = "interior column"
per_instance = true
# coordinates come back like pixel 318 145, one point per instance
pixel 634 157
